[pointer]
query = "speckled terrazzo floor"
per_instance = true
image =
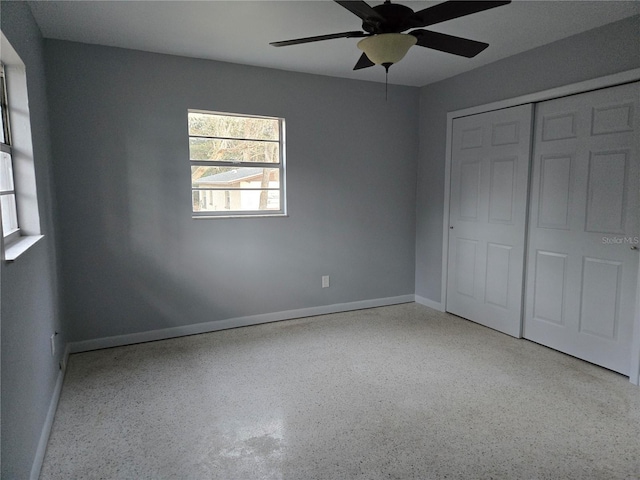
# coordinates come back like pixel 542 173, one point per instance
pixel 401 392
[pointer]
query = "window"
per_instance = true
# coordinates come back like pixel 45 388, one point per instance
pixel 8 208
pixel 237 164
pixel 18 193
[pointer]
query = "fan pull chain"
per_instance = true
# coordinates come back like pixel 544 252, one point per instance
pixel 386 80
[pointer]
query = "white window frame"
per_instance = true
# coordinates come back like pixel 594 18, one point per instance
pixel 280 166
pixel 5 147
pixel 21 151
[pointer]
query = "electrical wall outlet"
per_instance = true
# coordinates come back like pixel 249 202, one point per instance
pixel 325 281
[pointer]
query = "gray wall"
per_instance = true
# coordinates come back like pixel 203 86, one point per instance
pixel 602 51
pixel 133 258
pixel 29 312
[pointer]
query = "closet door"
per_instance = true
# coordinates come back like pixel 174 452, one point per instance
pixel 582 257
pixel 487 217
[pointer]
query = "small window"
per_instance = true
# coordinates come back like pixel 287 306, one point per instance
pixel 8 206
pixel 18 191
pixel 237 164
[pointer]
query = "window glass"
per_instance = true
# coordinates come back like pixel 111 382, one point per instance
pixel 8 208
pixel 233 126
pixel 6 172
pixel 234 177
pixel 9 214
pixel 4 112
pixel 237 164
pixel 226 150
pixel 237 200
pixel 2 135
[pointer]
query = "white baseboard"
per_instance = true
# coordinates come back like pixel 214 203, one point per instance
pixel 48 422
pixel 429 303
pixel 165 333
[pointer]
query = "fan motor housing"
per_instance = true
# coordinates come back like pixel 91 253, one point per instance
pixel 397 18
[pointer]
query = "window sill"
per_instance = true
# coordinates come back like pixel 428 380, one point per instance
pixel 21 245
pixel 209 217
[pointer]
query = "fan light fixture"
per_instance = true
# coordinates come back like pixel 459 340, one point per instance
pixel 383 42
pixel 387 48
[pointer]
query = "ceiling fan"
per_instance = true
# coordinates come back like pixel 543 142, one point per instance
pixel 383 41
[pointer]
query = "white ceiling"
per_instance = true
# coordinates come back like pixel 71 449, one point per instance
pixel 239 31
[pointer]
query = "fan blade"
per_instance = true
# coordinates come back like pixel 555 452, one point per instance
pixel 448 43
pixel 449 10
pixel 364 62
pixel 297 41
pixel 361 9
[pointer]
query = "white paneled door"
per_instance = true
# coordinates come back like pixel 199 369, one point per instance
pixel 487 217
pixel 582 261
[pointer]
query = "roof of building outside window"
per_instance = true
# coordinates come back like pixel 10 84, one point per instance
pixel 232 176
